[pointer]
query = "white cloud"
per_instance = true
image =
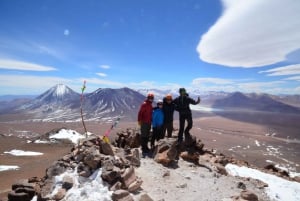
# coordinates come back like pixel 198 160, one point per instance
pixel 21 65
pixel 285 70
pixel 101 74
pixel 252 33
pixel 105 66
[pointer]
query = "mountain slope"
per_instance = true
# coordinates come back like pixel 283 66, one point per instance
pixel 113 102
pixel 259 102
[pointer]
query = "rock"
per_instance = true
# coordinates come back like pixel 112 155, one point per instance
pixel 13 196
pixel 166 174
pixel 67 182
pixel 248 195
pixel 199 146
pixel 173 151
pixel 128 176
pixel 111 176
pixel 55 169
pixel 116 186
pixel 134 158
pixel 191 157
pixel 145 197
pixel 135 185
pixel 34 180
pixel 119 194
pixel 163 158
pixel 220 169
pixel 297 179
pixel 106 148
pixel 22 183
pixel 29 191
pixel 93 161
pixel 46 188
pixel 271 167
pixel 60 194
pixel 241 185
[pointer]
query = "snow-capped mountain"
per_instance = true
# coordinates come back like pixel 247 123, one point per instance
pixel 60 103
pixel 58 97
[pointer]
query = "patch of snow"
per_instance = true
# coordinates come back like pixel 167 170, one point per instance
pixel 8 167
pixel 68 134
pixel 257 143
pixel 92 188
pixel 17 152
pixel 278 188
pixel 41 142
pixel 204 109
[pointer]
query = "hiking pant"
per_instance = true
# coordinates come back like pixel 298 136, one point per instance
pixel 168 127
pixel 157 134
pixel 182 118
pixel 145 133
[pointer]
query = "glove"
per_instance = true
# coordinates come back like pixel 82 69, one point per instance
pixel 198 101
pixel 139 123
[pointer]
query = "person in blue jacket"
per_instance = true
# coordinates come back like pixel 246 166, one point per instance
pixel 157 123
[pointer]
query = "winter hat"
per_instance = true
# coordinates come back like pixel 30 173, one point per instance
pixel 182 91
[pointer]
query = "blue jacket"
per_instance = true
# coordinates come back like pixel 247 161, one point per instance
pixel 157 117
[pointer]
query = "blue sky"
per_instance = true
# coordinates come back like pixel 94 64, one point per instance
pixel 211 45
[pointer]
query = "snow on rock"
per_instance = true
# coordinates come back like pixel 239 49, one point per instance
pixel 17 152
pixel 278 189
pixel 72 135
pixel 8 167
pixel 92 188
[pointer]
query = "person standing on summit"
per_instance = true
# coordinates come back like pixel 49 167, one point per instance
pixel 145 120
pixel 168 109
pixel 182 105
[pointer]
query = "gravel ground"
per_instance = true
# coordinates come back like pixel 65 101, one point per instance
pixel 190 183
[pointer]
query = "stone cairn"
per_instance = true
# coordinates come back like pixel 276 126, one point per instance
pixel 118 161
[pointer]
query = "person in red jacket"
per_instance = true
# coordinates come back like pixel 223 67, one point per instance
pixel 144 120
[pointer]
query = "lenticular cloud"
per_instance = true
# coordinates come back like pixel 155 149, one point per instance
pixel 252 33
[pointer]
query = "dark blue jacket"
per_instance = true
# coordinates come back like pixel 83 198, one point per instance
pixel 157 117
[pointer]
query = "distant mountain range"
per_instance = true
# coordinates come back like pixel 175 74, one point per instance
pixel 60 103
pixel 262 102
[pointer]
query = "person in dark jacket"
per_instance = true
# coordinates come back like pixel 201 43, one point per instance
pixel 157 123
pixel 144 120
pixel 182 105
pixel 168 109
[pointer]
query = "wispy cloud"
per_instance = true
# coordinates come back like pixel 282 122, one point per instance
pixel 105 66
pixel 102 74
pixel 252 33
pixel 295 78
pixel 285 70
pixel 217 81
pixel 20 84
pixel 21 65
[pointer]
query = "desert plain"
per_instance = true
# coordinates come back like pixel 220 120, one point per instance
pixel 260 138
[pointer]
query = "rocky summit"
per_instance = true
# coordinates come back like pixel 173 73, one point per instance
pixel 165 174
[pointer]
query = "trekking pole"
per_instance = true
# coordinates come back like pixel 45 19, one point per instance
pixel 81 103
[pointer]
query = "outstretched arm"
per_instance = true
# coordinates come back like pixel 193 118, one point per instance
pixel 198 101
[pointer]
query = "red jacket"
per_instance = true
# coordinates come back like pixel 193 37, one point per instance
pixel 145 112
